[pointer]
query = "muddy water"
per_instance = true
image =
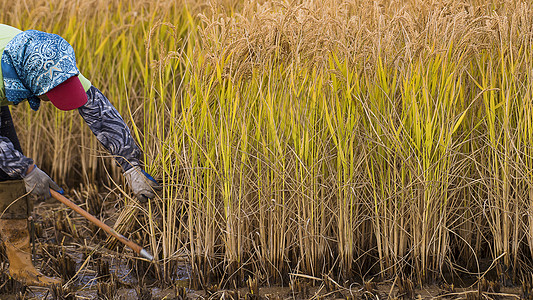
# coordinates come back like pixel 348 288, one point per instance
pixel 384 291
pixel 70 249
pixel 122 294
pixel 85 250
pixel 85 284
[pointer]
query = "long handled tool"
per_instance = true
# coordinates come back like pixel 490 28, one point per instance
pixel 138 249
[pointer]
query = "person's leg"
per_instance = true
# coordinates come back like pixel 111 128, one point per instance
pixel 15 234
pixel 13 202
pixel 15 208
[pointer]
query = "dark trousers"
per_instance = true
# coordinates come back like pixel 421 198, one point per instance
pixel 8 130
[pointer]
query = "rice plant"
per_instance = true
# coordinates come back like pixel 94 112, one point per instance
pixel 349 138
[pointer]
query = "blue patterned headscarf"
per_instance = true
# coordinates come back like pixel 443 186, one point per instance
pixel 35 62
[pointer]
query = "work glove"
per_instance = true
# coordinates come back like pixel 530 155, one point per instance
pixel 142 184
pixel 39 184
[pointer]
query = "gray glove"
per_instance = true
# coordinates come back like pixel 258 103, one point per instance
pixel 142 184
pixel 39 183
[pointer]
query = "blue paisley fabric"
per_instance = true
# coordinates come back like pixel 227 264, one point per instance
pixel 33 63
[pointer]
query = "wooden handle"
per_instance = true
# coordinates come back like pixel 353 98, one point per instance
pixel 138 249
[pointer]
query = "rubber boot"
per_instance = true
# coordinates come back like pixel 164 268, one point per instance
pixel 16 239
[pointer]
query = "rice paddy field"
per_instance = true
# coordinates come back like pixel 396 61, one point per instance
pixel 327 142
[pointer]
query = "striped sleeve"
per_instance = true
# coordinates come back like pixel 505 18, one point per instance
pixel 109 128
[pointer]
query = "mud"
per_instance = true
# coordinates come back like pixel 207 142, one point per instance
pixel 68 247
pixel 384 291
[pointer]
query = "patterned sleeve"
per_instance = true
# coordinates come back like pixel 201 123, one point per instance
pixel 109 128
pixel 12 161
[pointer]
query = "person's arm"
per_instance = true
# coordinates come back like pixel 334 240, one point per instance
pixel 109 128
pixel 12 162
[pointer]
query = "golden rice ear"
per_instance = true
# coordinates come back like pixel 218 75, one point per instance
pixel 358 137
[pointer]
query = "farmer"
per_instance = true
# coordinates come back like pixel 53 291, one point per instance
pixel 36 67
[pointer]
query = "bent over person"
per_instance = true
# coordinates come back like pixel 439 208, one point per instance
pixel 36 67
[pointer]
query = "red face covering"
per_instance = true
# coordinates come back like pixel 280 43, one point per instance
pixel 68 95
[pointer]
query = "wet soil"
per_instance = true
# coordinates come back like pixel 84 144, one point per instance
pixel 68 247
pixel 384 291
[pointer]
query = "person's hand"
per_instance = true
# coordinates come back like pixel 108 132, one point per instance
pixel 39 183
pixel 142 184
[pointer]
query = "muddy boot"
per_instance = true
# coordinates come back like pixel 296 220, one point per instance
pixel 15 207
pixel 17 242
